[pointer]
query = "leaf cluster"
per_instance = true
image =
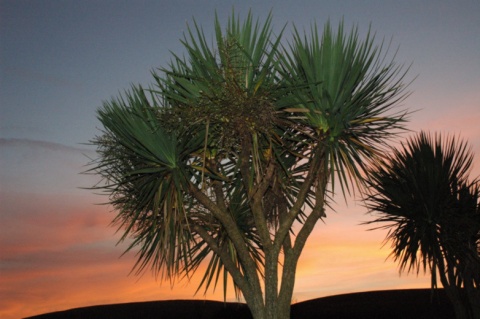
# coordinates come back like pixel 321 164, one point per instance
pixel 425 199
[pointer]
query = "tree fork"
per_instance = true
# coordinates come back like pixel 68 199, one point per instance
pixel 234 234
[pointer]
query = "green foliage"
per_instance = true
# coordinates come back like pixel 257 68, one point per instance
pixel 343 89
pixel 237 141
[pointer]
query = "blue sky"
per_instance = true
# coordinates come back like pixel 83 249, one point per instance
pixel 60 59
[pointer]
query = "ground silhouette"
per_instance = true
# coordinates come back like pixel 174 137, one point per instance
pixel 390 304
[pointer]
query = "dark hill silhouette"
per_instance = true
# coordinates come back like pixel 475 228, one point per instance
pixel 390 304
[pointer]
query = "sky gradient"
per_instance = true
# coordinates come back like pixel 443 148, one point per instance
pixel 60 60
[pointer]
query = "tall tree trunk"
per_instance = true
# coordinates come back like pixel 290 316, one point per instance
pixel 471 285
pixel 276 303
pixel 452 291
pixel 461 289
pixel 474 300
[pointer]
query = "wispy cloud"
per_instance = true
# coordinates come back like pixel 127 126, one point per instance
pixel 30 75
pixel 43 222
pixel 43 167
pixel 23 142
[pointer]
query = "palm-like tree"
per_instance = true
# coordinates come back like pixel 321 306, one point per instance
pixel 235 143
pixel 424 197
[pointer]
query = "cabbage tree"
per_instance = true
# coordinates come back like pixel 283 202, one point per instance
pixel 225 163
pixel 423 195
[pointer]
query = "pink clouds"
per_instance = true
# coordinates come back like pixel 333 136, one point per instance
pixel 57 248
pixel 46 239
pixel 43 221
pixel 58 251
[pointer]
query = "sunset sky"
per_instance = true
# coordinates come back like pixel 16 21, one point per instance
pixel 60 59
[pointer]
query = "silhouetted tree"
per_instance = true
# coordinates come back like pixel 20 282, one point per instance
pixel 228 156
pixel 423 195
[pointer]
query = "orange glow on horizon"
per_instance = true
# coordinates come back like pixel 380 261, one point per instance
pixel 340 257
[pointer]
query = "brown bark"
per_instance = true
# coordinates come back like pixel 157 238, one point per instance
pixel 274 300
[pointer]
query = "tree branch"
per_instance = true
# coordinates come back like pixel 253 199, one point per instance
pixel 229 264
pixel 257 207
pixel 218 190
pixel 293 254
pixel 286 224
pixel 234 234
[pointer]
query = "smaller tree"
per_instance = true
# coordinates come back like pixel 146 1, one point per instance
pixel 431 210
